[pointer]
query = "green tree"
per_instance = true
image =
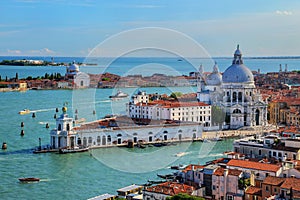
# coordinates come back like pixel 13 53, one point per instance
pixel 217 115
pixel 175 95
pixel 182 196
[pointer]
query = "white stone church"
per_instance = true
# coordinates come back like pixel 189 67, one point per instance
pixel 235 92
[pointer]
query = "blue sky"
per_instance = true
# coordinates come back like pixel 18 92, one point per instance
pixel 73 28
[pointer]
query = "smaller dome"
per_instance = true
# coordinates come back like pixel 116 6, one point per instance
pixel 73 68
pixel 215 78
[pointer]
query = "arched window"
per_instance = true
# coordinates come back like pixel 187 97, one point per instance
pixel 59 127
pixel 79 141
pixel 234 96
pixel 237 111
pixel 108 138
pixel 84 142
pixel 103 140
pixel 98 140
pixel 90 140
pixel 240 96
pixel 68 127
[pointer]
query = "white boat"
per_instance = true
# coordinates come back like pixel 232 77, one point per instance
pixel 24 112
pixel 180 154
pixel 73 150
pixel 119 95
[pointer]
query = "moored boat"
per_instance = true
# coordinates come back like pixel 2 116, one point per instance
pixel 119 95
pixel 73 150
pixel 29 179
pixel 24 112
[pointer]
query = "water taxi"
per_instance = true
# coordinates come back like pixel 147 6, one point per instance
pixel 24 112
pixel 119 95
pixel 29 179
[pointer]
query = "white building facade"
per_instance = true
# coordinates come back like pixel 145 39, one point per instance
pixel 140 107
pixel 78 79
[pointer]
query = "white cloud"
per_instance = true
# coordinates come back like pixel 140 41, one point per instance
pixel 14 51
pixel 44 51
pixel 284 12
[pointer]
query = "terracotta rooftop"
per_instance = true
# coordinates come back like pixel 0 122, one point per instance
pixel 272 180
pixel 219 171
pixel 253 190
pixel 173 104
pixel 171 188
pixel 293 183
pixel 253 165
pixel 234 172
pixel 191 166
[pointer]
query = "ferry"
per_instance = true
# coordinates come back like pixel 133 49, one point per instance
pixel 119 95
pixel 24 112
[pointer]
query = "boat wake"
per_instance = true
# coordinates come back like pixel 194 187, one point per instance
pixel 42 110
pixel 47 180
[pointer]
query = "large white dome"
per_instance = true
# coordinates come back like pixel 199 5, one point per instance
pixel 237 72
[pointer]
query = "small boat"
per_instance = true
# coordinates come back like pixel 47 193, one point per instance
pixel 178 167
pixel 156 181
pixel 167 176
pixel 180 154
pixel 74 150
pixel 24 112
pixel 29 179
pixel 119 95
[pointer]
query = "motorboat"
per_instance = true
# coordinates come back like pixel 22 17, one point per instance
pixel 24 112
pixel 72 150
pixel 29 179
pixel 180 154
pixel 119 95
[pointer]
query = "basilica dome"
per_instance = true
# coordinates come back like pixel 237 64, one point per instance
pixel 237 72
pixel 215 78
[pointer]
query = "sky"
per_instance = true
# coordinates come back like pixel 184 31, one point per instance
pixel 75 28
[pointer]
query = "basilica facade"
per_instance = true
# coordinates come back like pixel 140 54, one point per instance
pixel 234 91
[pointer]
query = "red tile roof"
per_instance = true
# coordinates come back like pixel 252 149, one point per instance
pixel 253 190
pixel 234 172
pixel 293 183
pixel 253 165
pixel 189 167
pixel 219 171
pixel 271 180
pixel 171 188
pixel 172 104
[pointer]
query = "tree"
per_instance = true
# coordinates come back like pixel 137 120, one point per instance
pixel 175 95
pixel 182 196
pixel 217 115
pixel 17 76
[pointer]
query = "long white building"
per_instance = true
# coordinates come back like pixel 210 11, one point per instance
pixel 140 107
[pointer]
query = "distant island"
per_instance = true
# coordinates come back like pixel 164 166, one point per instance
pixel 25 62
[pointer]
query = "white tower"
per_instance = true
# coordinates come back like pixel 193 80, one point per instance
pixel 60 135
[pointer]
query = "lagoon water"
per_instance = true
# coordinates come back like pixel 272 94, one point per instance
pixel 84 175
